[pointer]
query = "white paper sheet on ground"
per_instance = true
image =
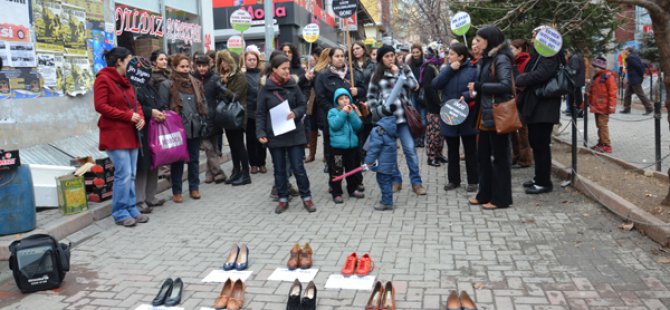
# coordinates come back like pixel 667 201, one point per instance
pixel 278 115
pixel 303 275
pixel 221 276
pixel 150 307
pixel 338 281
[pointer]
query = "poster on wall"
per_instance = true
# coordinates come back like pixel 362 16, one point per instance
pixel 47 24
pixel 78 77
pixel 101 41
pixel 73 29
pixel 18 54
pixel 22 83
pixel 14 21
pixel 50 66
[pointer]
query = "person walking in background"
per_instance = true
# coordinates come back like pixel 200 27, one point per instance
pixel 278 88
pixel 453 81
pixel 635 72
pixel 522 154
pixel 146 181
pixel 602 100
pixel 540 114
pixel 256 150
pixel 210 139
pixel 233 84
pixel 344 124
pixel 576 99
pixel 384 78
pixel 184 95
pixel 495 180
pixel 121 117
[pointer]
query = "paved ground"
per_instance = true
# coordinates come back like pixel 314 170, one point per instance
pixel 632 136
pixel 557 251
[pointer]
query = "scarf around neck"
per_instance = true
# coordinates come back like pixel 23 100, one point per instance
pixel 187 84
pixel 277 79
pixel 342 73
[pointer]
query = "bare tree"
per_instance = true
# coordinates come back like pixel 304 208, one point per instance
pixel 430 18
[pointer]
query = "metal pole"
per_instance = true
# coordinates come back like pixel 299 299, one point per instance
pixel 269 27
pixel 573 113
pixel 163 15
pixel 657 123
pixel 586 118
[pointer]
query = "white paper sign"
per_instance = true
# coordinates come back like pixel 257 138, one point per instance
pixel 338 281
pixel 303 275
pixel 280 123
pixel 150 307
pixel 221 276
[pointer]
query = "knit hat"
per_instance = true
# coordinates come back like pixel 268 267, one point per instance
pixel 342 92
pixel 599 62
pixel 385 49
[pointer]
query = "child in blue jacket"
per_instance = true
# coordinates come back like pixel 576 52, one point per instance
pixel 343 125
pixel 382 157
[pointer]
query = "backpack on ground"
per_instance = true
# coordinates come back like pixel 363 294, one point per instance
pixel 39 262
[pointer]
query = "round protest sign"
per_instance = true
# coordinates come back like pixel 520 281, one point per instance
pixel 454 112
pixel 369 41
pixel 138 71
pixel 311 33
pixel 235 44
pixel 344 8
pixel 460 23
pixel 240 20
pixel 548 42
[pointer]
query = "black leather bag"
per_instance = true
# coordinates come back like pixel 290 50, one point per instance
pixel 39 262
pixel 562 83
pixel 229 114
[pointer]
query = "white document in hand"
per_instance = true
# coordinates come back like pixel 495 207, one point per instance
pixel 280 123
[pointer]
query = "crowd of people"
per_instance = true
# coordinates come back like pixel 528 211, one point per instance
pixel 351 109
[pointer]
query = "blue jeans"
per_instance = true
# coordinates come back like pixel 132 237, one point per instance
pixel 385 182
pixel 281 158
pixel 123 194
pixel 177 169
pixel 407 142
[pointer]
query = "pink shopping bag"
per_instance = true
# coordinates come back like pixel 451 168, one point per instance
pixel 167 141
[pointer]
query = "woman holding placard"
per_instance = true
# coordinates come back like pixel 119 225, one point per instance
pixel 494 85
pixel 453 81
pixel 280 89
pixel 540 113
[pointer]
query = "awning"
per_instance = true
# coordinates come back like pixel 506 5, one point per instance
pixel 253 33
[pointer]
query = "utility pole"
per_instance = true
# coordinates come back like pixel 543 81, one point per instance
pixel 269 27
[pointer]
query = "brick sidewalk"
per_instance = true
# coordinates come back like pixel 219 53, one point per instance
pixel 557 251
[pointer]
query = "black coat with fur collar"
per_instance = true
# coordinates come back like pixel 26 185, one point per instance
pixel 494 89
pixel 538 72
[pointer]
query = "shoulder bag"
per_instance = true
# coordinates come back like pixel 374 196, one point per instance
pixel 229 114
pixel 562 83
pixel 505 114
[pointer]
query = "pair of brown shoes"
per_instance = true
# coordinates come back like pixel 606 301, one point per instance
pixel 460 302
pixel 382 297
pixel 231 296
pixel 300 257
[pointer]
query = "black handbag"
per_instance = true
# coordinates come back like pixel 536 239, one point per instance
pixel 39 262
pixel 229 114
pixel 562 83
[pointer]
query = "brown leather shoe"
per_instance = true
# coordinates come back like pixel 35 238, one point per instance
pixel 129 222
pixel 294 258
pixel 236 300
pixel 466 302
pixel 419 190
pixel 178 198
pixel 253 170
pixel 453 302
pixel 222 301
pixel 142 218
pixel 375 301
pixel 388 302
pixel 306 257
pixel 263 169
pixel 195 195
pixel 473 201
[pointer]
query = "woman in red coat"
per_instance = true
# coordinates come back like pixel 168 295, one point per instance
pixel 120 120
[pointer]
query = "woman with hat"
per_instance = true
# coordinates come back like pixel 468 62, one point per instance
pixel 383 79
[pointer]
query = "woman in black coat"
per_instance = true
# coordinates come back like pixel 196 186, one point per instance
pixel 495 180
pixel 364 68
pixel 146 180
pixel 540 113
pixel 279 87
pixel 257 151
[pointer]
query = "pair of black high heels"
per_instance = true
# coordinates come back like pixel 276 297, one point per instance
pixel 308 301
pixel 170 293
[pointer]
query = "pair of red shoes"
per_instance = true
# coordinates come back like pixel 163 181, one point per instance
pixel 360 267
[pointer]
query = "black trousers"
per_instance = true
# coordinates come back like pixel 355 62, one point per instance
pixel 257 151
pixel 454 165
pixel 495 181
pixel 576 99
pixel 539 136
pixel 339 162
pixel 237 150
pixel 363 136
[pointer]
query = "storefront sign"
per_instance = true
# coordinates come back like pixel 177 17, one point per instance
pixel 548 42
pixel 311 33
pixel 345 8
pixel 144 22
pixel 240 20
pixel 235 44
pixel 15 17
pixel 460 23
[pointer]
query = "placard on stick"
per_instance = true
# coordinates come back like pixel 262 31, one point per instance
pixel 548 42
pixel 345 8
pixel 240 20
